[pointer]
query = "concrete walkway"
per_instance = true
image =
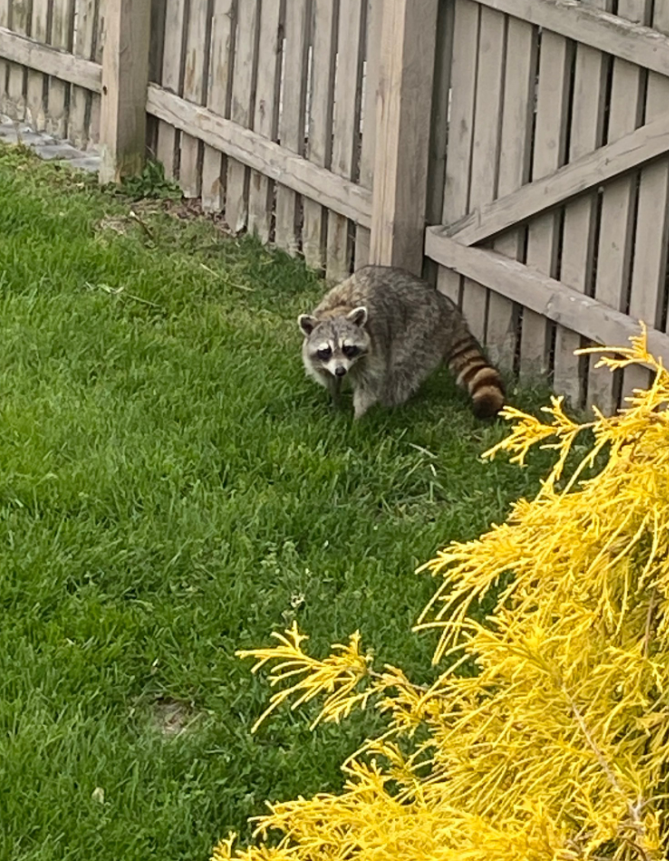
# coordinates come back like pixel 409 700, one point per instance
pixel 46 146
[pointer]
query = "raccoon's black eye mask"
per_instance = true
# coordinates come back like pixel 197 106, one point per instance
pixel 325 354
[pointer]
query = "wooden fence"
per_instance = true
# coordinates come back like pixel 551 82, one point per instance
pixel 517 151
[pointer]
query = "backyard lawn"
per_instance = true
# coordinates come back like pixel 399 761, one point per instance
pixel 172 489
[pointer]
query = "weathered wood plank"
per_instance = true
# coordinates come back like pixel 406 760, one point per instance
pixel 403 131
pixel 652 226
pixel 125 75
pixel 37 82
pixel 461 128
pixel 319 146
pixel 345 126
pixel 514 167
pixel 57 112
pixel 589 90
pixel 84 46
pixel 194 89
pixel 266 119
pixel 4 66
pixel 171 80
pixel 549 152
pixel 16 82
pixel 485 151
pixel 251 149
pixel 374 20
pixel 50 61
pixel 583 174
pixel 241 112
pixel 94 122
pixel 544 296
pixel 292 119
pixel 612 34
pixel 614 252
pixel 218 100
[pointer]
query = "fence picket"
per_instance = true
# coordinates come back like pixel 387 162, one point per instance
pixel 549 146
pixel 368 144
pixel 194 89
pixel 62 24
pixel 325 15
pixel 652 228
pixel 345 124
pixel 581 215
pixel 171 80
pixel 292 118
pixel 458 161
pixel 485 151
pixel 84 46
pixel 4 66
pixel 37 82
pixel 266 118
pixel 617 209
pixel 218 100
pixel 514 168
pixel 19 16
pixel 236 202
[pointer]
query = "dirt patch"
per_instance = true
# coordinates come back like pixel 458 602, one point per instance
pixel 171 718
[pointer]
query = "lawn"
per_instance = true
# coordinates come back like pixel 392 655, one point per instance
pixel 172 488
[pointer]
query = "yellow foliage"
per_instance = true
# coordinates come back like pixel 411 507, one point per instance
pixel 558 749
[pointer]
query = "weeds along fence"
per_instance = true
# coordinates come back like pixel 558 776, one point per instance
pixel 516 151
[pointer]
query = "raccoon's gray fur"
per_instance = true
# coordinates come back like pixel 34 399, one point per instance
pixel 385 330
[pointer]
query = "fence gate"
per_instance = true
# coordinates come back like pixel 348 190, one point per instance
pixel 555 201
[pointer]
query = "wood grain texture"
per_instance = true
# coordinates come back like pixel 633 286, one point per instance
pixel 652 223
pixel 266 119
pixel 515 155
pixel 622 35
pixel 241 111
pixel 50 61
pixel 374 20
pixel 249 148
pixel 36 91
pixel 194 89
pixel 292 117
pixel 580 216
pixel 486 144
pixel 17 74
pixel 404 105
pixel 344 129
pixel 461 128
pixel 544 296
pixel 616 232
pixel 62 27
pixel 549 151
pixel 84 46
pixel 171 80
pixel 325 15
pixel 218 100
pixel 125 75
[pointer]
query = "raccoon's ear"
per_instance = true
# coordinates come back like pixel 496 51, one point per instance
pixel 307 323
pixel 358 316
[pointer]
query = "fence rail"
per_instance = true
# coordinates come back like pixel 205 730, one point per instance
pixel 516 151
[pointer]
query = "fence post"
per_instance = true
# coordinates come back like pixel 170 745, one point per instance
pixel 125 77
pixel 403 111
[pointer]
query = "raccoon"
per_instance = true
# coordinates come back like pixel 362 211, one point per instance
pixel 386 330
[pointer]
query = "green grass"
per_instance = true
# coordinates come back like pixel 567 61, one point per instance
pixel 172 488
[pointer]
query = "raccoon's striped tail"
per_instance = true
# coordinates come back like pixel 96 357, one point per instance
pixel 474 373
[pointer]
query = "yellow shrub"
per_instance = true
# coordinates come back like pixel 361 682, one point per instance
pixel 559 747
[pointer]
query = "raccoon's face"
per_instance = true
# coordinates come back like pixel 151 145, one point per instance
pixel 335 345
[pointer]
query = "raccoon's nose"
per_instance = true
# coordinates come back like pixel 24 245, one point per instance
pixel 340 370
